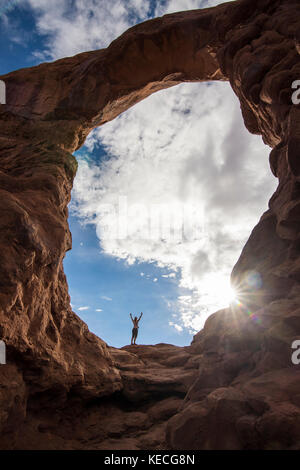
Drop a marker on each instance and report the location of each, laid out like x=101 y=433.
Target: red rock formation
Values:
x=235 y=386
x=155 y=380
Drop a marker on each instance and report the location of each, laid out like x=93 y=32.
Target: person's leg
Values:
x=132 y=337
x=135 y=336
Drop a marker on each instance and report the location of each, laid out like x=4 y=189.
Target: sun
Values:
x=219 y=290
x=232 y=294
x=227 y=293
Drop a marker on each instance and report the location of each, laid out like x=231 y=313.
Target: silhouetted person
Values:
x=135 y=328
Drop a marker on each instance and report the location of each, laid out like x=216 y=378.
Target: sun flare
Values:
x=219 y=289
x=227 y=294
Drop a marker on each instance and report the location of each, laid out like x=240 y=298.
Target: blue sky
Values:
x=184 y=148
x=100 y=281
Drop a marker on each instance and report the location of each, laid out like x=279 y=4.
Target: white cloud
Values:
x=176 y=326
x=99 y=310
x=183 y=147
x=104 y=297
x=155 y=279
x=76 y=26
x=170 y=275
x=142 y=274
x=82 y=308
x=171 y=6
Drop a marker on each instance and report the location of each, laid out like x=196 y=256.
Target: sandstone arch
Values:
x=52 y=357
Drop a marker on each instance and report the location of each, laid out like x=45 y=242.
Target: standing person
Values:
x=135 y=328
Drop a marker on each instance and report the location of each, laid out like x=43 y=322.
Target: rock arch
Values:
x=246 y=386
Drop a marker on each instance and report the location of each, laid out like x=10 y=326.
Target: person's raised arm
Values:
x=131 y=318
x=140 y=316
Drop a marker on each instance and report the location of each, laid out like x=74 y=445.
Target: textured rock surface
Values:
x=155 y=381
x=235 y=386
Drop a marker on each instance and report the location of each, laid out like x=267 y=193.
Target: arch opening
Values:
x=170 y=189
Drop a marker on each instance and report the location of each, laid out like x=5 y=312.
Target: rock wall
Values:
x=235 y=386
